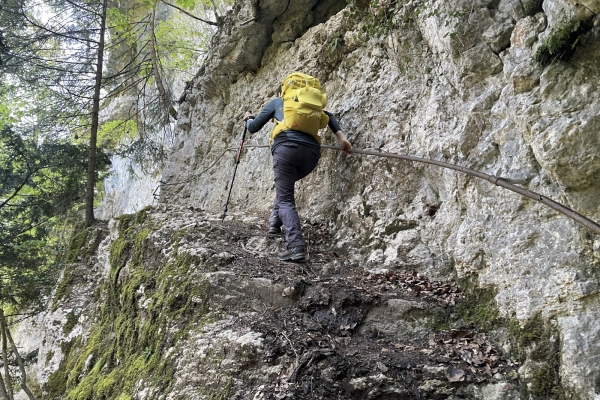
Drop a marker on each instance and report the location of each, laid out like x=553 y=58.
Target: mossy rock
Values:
x=562 y=42
x=129 y=342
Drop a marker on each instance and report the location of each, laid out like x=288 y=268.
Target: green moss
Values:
x=119 y=254
x=140 y=217
x=223 y=392
x=83 y=244
x=544 y=381
x=128 y=344
x=522 y=337
x=72 y=320
x=49 y=356
x=478 y=305
x=538 y=341
x=105 y=387
x=76 y=244
x=64 y=287
x=56 y=385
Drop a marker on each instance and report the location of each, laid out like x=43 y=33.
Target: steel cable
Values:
x=506 y=183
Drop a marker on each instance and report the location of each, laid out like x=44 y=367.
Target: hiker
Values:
x=296 y=151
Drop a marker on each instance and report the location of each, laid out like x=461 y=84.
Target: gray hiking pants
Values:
x=292 y=161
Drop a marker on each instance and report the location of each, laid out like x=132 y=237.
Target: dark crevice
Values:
x=324 y=10
x=563 y=42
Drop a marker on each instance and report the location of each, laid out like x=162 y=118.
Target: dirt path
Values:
x=353 y=335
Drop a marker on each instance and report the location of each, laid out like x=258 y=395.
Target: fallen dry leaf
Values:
x=456 y=375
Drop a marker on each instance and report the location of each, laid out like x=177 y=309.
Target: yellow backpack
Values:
x=303 y=103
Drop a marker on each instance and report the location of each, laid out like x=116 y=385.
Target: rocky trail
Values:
x=345 y=333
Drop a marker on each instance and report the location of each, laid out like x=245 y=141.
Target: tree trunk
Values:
x=91 y=172
x=3 y=394
x=8 y=389
x=6 y=334
x=164 y=95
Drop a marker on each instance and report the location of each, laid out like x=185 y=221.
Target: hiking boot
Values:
x=294 y=254
x=274 y=230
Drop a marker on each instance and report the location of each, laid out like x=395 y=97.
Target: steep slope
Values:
x=178 y=304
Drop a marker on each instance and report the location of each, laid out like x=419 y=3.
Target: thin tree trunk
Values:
x=217 y=16
x=3 y=394
x=9 y=390
x=6 y=334
x=91 y=172
x=164 y=95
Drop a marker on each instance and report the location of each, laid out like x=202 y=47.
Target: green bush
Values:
x=562 y=43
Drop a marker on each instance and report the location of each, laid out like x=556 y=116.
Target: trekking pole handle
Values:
x=239 y=154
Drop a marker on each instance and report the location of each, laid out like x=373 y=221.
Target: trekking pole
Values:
x=237 y=161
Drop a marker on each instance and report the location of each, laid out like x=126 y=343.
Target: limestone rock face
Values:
x=458 y=85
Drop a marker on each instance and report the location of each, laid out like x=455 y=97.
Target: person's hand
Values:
x=345 y=146
x=248 y=114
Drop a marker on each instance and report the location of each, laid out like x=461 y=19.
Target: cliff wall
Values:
x=452 y=81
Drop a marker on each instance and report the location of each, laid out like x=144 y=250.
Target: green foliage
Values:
x=190 y=4
x=375 y=17
x=562 y=43
x=11 y=108
x=119 y=21
x=179 y=50
x=40 y=180
x=114 y=132
x=396 y=21
x=179 y=45
x=46 y=73
x=455 y=21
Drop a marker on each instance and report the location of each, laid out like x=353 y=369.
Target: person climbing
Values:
x=295 y=145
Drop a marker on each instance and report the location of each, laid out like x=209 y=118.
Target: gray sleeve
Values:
x=268 y=112
x=333 y=124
